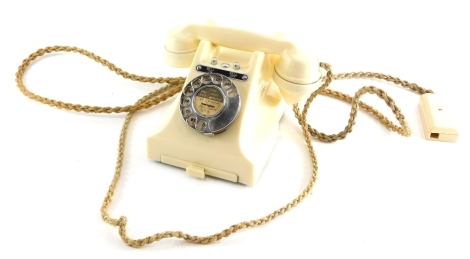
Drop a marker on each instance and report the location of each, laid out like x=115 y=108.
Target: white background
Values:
x=378 y=195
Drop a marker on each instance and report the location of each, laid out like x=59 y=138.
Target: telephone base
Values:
x=239 y=153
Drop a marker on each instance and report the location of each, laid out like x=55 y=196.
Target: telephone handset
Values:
x=296 y=70
x=225 y=121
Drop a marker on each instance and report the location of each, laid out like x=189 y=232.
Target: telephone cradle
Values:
x=225 y=121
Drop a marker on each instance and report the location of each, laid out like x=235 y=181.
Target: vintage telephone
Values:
x=225 y=122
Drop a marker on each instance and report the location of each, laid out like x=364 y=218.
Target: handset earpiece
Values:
x=180 y=47
x=296 y=73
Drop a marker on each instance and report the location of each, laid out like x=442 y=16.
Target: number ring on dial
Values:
x=210 y=103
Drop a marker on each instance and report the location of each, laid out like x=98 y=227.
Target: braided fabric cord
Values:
x=174 y=86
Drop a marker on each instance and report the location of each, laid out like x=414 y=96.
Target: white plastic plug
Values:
x=437 y=124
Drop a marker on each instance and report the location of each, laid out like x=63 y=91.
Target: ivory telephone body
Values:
x=225 y=122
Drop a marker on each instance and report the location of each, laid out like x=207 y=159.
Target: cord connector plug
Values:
x=436 y=122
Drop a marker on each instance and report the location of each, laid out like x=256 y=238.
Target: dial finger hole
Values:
x=196 y=83
x=185 y=101
x=206 y=79
x=232 y=92
x=188 y=91
x=226 y=84
x=186 y=112
x=216 y=79
x=201 y=125
x=191 y=120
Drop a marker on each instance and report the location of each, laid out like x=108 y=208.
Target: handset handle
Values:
x=296 y=72
x=186 y=39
